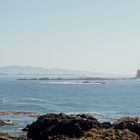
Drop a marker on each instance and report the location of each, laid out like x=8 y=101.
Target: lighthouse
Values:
x=138 y=74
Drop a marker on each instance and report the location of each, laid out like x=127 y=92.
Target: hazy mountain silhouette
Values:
x=21 y=70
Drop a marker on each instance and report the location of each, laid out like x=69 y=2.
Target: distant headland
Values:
x=28 y=71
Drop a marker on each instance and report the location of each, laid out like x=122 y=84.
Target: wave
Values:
x=72 y=83
x=23 y=100
x=100 y=116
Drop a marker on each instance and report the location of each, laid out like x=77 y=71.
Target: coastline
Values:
x=73 y=126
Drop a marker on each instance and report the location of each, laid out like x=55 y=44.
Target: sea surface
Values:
x=105 y=99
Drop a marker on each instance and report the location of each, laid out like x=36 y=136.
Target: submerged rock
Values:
x=6 y=122
x=30 y=114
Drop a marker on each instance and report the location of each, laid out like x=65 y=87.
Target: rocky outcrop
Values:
x=110 y=134
x=81 y=127
x=132 y=124
x=72 y=126
x=6 y=136
x=78 y=127
x=6 y=122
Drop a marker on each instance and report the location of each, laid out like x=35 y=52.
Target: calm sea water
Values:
x=105 y=101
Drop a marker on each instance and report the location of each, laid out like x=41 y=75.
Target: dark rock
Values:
x=73 y=126
x=68 y=127
x=106 y=125
x=127 y=119
x=6 y=122
x=6 y=136
x=26 y=128
x=132 y=124
x=22 y=137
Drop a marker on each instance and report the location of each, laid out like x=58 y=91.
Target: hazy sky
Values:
x=93 y=35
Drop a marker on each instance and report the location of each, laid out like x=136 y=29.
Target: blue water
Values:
x=105 y=101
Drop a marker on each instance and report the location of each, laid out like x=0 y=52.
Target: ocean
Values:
x=104 y=99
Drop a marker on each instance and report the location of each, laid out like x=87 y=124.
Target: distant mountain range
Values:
x=39 y=71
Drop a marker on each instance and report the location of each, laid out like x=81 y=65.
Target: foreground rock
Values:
x=78 y=127
x=5 y=136
x=81 y=127
x=110 y=134
x=72 y=126
x=132 y=124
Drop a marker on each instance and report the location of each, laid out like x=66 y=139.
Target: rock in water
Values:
x=72 y=126
x=5 y=136
x=6 y=122
x=82 y=127
x=132 y=124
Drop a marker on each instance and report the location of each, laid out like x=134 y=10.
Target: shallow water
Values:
x=105 y=101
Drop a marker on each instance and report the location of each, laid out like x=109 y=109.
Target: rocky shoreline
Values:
x=77 y=127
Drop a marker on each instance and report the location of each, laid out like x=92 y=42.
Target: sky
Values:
x=91 y=35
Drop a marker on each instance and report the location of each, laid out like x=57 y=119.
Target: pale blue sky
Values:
x=93 y=35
